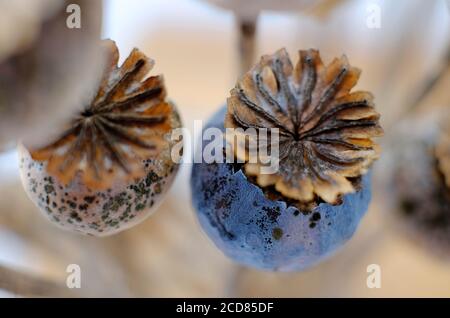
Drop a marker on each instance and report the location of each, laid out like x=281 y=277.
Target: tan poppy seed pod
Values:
x=46 y=68
x=112 y=165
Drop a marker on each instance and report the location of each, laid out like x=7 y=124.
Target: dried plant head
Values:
x=124 y=124
x=325 y=131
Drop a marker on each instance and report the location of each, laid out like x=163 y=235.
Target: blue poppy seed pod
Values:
x=304 y=212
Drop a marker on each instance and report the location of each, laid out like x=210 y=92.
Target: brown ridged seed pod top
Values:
x=325 y=130
x=124 y=124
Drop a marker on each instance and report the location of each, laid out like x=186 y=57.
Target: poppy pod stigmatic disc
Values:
x=112 y=165
x=297 y=215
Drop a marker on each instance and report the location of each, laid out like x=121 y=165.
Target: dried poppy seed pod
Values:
x=296 y=216
x=46 y=68
x=112 y=165
x=419 y=179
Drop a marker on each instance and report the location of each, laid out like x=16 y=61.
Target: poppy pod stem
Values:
x=247 y=42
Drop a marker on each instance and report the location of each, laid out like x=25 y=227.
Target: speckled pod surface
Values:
x=100 y=213
x=270 y=235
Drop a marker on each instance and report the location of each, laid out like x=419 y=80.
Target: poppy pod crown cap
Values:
x=326 y=131
x=123 y=125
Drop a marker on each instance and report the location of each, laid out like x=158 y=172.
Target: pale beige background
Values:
x=193 y=44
